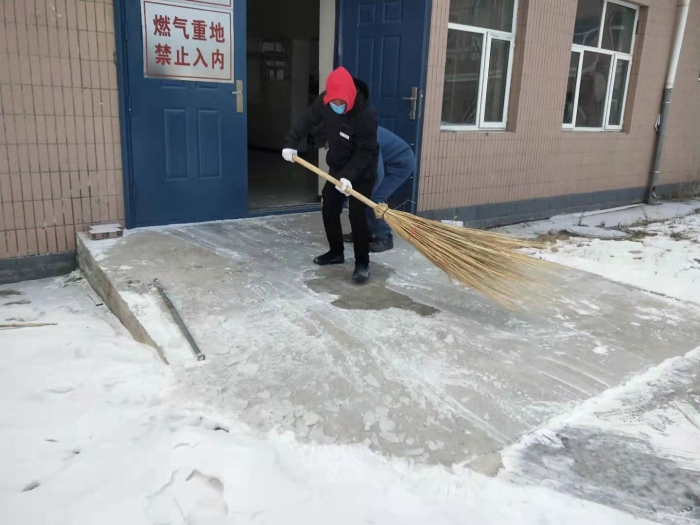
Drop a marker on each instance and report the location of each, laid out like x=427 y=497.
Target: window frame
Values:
x=488 y=35
x=616 y=56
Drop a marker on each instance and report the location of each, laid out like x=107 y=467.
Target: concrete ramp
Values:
x=409 y=364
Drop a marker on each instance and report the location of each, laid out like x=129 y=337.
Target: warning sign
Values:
x=187 y=43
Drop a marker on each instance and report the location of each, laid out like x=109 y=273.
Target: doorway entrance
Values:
x=283 y=80
x=187 y=139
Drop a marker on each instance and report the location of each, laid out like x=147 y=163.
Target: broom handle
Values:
x=335 y=182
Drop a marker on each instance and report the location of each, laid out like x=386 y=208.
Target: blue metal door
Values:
x=187 y=140
x=383 y=42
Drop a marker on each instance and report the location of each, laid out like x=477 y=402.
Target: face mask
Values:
x=338 y=109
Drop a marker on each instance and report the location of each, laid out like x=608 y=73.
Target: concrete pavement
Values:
x=409 y=364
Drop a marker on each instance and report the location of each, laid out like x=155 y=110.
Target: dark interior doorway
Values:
x=283 y=79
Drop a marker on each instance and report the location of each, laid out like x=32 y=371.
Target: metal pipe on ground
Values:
x=197 y=352
x=683 y=9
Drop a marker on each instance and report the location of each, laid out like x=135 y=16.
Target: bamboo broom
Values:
x=487 y=262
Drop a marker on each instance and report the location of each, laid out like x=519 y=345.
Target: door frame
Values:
x=422 y=89
x=122 y=60
x=121 y=37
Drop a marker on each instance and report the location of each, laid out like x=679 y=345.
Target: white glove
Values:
x=346 y=185
x=288 y=154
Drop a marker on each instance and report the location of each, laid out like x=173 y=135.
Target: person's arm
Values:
x=403 y=164
x=311 y=118
x=366 y=146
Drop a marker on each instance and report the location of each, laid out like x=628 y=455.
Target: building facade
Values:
x=540 y=166
x=517 y=109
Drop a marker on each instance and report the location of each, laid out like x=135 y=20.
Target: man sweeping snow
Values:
x=397 y=162
x=351 y=124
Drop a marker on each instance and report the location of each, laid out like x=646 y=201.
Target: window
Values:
x=601 y=61
x=480 y=40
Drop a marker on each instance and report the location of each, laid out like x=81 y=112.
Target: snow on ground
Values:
x=607 y=221
x=661 y=257
x=94 y=430
x=676 y=432
x=636 y=446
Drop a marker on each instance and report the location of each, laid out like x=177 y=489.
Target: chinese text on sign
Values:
x=187 y=43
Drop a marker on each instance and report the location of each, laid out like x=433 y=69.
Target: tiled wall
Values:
x=60 y=154
x=681 y=159
x=60 y=160
x=535 y=158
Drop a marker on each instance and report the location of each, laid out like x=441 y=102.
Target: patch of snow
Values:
x=152 y=312
x=634 y=446
x=96 y=430
x=371 y=380
x=665 y=261
x=106 y=228
x=100 y=249
x=612 y=218
x=596 y=231
x=615 y=217
x=617 y=410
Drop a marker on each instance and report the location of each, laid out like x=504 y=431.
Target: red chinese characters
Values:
x=188 y=39
x=181 y=23
x=181 y=55
x=217 y=58
x=162 y=25
x=163 y=53
x=200 y=58
x=199 y=27
x=217 y=33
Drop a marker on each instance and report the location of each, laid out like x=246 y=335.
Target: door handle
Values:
x=239 y=96
x=413 y=100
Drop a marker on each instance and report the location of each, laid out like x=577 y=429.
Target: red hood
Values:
x=340 y=85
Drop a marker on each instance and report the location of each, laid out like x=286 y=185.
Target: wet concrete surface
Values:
x=373 y=295
x=409 y=364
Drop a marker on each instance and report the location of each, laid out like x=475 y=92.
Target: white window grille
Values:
x=479 y=64
x=601 y=62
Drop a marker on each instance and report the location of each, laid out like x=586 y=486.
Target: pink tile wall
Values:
x=535 y=158
x=681 y=160
x=60 y=153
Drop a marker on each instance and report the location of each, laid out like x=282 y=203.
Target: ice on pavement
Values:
x=636 y=446
x=96 y=430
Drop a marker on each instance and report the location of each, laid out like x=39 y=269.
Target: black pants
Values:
x=332 y=208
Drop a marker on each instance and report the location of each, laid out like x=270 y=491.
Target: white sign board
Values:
x=187 y=43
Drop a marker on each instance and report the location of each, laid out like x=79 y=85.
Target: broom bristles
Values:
x=487 y=262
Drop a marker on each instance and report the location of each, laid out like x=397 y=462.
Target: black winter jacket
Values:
x=353 y=150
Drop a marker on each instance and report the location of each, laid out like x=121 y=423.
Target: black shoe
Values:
x=347 y=237
x=361 y=273
x=329 y=258
x=381 y=245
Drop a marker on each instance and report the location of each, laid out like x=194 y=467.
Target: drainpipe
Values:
x=683 y=8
